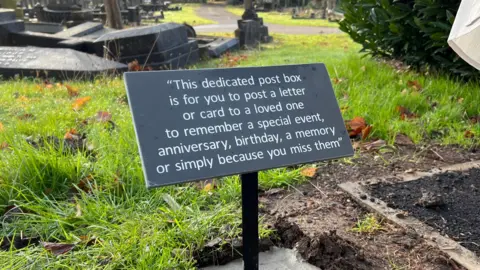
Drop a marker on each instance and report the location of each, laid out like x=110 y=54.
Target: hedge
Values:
x=413 y=31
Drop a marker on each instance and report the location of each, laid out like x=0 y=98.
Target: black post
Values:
x=250 y=220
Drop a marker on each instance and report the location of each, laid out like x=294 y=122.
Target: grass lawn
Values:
x=283 y=18
x=186 y=15
x=76 y=196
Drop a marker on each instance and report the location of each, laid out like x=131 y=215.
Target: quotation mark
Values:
x=169 y=81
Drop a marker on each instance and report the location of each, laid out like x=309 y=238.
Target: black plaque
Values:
x=199 y=124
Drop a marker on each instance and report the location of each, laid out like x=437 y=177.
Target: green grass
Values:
x=368 y=225
x=186 y=15
x=136 y=228
x=163 y=228
x=285 y=18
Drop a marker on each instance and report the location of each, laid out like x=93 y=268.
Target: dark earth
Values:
x=448 y=202
x=317 y=218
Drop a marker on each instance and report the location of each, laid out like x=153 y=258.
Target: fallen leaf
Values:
x=460 y=100
x=358 y=122
x=58 y=248
x=404 y=92
x=475 y=119
x=3 y=145
x=415 y=85
x=366 y=131
x=405 y=113
x=337 y=80
x=356 y=145
x=80 y=102
x=308 y=172
x=2 y=128
x=363 y=68
x=72 y=91
x=23 y=99
x=26 y=116
x=70 y=135
x=402 y=139
x=86 y=184
x=469 y=134
x=208 y=187
x=103 y=116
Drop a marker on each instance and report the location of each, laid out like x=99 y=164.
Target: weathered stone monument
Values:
x=251 y=30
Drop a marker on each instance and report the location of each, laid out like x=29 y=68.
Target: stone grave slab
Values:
x=219 y=46
x=140 y=40
x=439 y=205
x=43 y=27
x=81 y=30
x=7 y=15
x=7 y=28
x=160 y=41
x=157 y=58
x=49 y=62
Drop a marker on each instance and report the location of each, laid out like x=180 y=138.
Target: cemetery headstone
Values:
x=9 y=24
x=48 y=62
x=201 y=124
x=158 y=45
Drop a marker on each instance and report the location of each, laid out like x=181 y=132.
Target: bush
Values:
x=413 y=31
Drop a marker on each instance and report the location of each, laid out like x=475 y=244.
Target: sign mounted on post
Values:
x=199 y=124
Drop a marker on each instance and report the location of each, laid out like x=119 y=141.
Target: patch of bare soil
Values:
x=324 y=250
x=318 y=208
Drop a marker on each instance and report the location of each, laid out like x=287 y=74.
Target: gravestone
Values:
x=81 y=30
x=200 y=124
x=159 y=45
x=48 y=62
x=9 y=24
x=251 y=31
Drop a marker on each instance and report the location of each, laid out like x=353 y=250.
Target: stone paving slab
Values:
x=275 y=259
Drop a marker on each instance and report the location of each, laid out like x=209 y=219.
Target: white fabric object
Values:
x=464 y=37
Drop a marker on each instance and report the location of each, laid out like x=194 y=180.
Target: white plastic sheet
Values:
x=464 y=37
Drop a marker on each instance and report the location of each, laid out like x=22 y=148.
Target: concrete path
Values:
x=275 y=259
x=227 y=22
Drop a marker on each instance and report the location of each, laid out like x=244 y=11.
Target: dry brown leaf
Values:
x=405 y=113
x=103 y=116
x=402 y=139
x=208 y=187
x=366 y=131
x=337 y=80
x=70 y=135
x=80 y=102
x=469 y=134
x=358 y=122
x=25 y=116
x=3 y=145
x=308 y=172
x=87 y=184
x=460 y=100
x=72 y=91
x=58 y=248
x=475 y=119
x=415 y=85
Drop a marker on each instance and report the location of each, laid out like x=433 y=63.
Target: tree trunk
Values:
x=114 y=17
